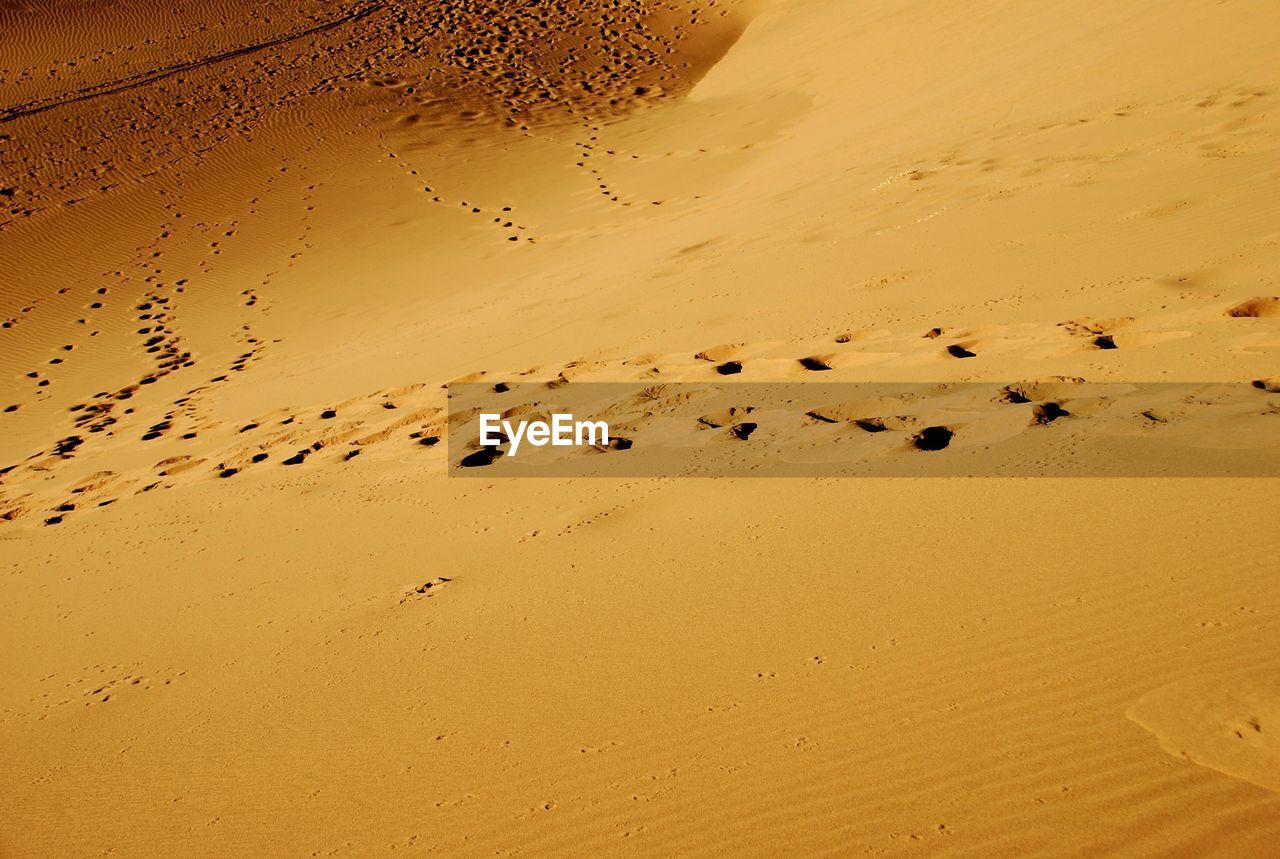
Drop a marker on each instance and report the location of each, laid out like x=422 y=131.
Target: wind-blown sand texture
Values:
x=243 y=247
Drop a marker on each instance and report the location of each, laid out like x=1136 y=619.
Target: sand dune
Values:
x=246 y=249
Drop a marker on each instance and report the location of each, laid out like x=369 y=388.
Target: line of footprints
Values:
x=415 y=414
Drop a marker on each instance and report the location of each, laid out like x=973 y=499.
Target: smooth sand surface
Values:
x=243 y=247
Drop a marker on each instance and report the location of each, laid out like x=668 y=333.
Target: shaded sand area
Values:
x=243 y=247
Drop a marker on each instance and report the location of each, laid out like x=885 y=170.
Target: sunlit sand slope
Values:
x=245 y=247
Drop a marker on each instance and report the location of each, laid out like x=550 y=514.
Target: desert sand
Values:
x=247 y=611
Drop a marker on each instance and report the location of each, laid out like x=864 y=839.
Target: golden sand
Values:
x=243 y=247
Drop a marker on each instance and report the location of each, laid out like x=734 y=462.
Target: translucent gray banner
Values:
x=1062 y=427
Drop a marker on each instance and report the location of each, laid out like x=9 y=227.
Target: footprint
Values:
x=933 y=438
x=1046 y=413
x=1014 y=394
x=725 y=418
x=480 y=458
x=426 y=589
x=1256 y=308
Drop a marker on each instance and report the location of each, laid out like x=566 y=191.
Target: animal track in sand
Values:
x=111 y=682
x=501 y=216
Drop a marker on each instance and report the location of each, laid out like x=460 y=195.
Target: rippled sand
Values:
x=244 y=247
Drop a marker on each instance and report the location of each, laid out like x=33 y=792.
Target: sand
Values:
x=244 y=248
